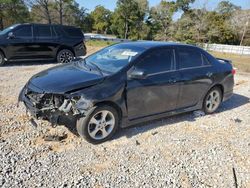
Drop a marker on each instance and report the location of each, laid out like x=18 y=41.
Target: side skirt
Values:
x=38 y=59
x=126 y=122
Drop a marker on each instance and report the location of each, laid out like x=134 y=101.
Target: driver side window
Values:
x=23 y=32
x=159 y=60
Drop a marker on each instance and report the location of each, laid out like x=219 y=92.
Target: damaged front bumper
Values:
x=50 y=107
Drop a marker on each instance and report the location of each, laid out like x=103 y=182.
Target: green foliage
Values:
x=101 y=17
x=133 y=19
x=226 y=7
x=128 y=20
x=80 y=17
x=201 y=26
x=161 y=19
x=184 y=5
x=219 y=31
x=13 y=11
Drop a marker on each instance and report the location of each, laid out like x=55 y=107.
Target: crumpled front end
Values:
x=50 y=106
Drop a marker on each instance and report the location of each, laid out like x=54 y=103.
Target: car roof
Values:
x=152 y=44
x=48 y=25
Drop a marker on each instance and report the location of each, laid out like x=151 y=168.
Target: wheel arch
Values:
x=65 y=47
x=112 y=104
x=1 y=50
x=220 y=86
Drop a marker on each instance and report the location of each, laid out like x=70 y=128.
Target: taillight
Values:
x=233 y=71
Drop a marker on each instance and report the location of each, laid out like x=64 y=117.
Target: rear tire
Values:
x=212 y=100
x=65 y=56
x=2 y=59
x=100 y=125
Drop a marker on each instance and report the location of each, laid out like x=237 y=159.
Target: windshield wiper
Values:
x=98 y=68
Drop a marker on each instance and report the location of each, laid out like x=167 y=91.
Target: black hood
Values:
x=65 y=78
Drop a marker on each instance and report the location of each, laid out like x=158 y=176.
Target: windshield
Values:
x=114 y=58
x=6 y=30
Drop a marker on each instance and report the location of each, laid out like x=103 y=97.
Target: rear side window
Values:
x=73 y=32
x=23 y=32
x=189 y=58
x=205 y=60
x=157 y=61
x=43 y=31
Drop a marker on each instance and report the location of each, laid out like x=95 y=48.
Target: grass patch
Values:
x=241 y=62
x=99 y=43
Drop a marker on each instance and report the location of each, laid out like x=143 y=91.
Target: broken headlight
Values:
x=83 y=104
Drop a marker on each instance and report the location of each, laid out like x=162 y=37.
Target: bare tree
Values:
x=60 y=10
x=240 y=23
x=245 y=30
x=162 y=15
x=200 y=21
x=43 y=6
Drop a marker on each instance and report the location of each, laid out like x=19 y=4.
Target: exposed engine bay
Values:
x=50 y=107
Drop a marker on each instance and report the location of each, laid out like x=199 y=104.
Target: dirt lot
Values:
x=181 y=151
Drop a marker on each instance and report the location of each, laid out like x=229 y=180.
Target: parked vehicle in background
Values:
x=93 y=36
x=129 y=83
x=25 y=42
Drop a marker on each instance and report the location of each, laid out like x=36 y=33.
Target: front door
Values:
x=20 y=46
x=158 y=91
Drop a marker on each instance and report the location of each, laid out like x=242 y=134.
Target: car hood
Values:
x=65 y=78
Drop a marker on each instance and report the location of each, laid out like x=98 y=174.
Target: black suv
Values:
x=23 y=42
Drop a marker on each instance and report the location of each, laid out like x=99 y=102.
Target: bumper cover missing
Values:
x=52 y=110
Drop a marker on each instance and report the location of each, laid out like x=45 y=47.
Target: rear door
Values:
x=75 y=39
x=21 y=45
x=46 y=42
x=196 y=76
x=158 y=92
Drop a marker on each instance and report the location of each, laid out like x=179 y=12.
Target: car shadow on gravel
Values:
x=235 y=101
x=29 y=63
x=38 y=62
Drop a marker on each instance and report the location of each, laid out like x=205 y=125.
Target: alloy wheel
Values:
x=213 y=100
x=66 y=57
x=101 y=125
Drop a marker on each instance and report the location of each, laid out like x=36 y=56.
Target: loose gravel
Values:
x=188 y=150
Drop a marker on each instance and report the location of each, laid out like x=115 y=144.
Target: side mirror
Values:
x=137 y=74
x=11 y=35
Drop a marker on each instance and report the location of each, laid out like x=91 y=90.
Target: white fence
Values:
x=243 y=50
x=234 y=49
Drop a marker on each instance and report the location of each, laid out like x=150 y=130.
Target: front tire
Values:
x=100 y=125
x=2 y=60
x=64 y=56
x=212 y=100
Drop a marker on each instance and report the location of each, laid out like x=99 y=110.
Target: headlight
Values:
x=83 y=104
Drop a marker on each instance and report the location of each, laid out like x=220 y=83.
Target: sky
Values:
x=111 y=4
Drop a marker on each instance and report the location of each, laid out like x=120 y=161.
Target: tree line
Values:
x=135 y=20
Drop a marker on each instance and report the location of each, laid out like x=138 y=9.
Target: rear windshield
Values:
x=73 y=32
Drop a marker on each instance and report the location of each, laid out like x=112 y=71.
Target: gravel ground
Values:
x=187 y=150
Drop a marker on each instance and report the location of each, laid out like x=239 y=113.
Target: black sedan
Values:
x=129 y=83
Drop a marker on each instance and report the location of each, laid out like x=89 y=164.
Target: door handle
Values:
x=209 y=74
x=172 y=80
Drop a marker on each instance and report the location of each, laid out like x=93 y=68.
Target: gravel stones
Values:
x=179 y=151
